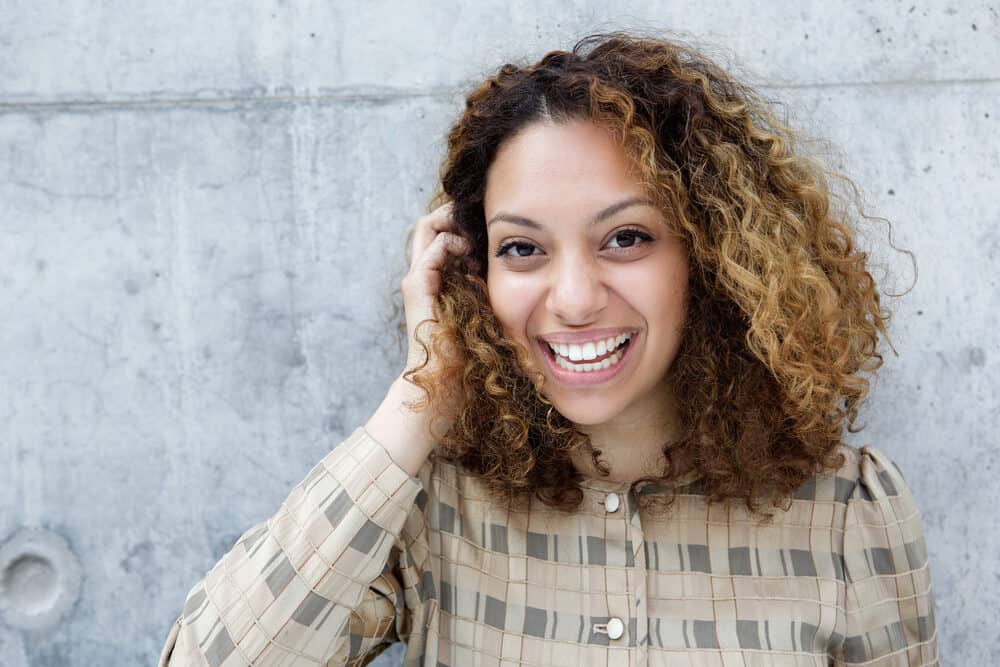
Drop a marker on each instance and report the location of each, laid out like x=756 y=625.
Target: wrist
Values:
x=404 y=432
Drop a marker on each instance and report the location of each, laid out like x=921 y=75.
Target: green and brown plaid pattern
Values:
x=361 y=555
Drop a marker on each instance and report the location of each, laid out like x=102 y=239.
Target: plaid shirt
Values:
x=361 y=554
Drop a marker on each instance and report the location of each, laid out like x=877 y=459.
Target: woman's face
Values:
x=576 y=256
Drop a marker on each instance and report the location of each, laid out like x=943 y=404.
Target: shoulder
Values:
x=867 y=474
x=883 y=531
x=879 y=479
x=874 y=515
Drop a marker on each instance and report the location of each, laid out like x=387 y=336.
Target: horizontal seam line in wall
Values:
x=347 y=95
x=398 y=94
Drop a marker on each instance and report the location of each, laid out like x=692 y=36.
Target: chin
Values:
x=584 y=413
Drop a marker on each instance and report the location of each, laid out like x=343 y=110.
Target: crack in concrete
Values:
x=383 y=96
x=346 y=95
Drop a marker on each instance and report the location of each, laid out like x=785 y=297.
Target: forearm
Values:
x=404 y=433
x=286 y=589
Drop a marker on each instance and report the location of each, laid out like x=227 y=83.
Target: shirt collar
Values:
x=607 y=486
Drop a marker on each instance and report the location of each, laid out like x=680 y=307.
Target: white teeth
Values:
x=589 y=350
x=584 y=368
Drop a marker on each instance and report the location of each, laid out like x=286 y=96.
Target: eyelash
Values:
x=637 y=233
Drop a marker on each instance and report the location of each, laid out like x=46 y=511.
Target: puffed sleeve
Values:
x=889 y=603
x=317 y=583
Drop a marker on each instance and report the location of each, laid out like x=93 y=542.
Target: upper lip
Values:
x=577 y=337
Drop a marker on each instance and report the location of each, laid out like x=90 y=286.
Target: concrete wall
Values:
x=202 y=206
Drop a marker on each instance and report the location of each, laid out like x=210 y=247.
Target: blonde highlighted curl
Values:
x=783 y=316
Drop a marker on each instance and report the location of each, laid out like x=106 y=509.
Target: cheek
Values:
x=675 y=296
x=664 y=293
x=509 y=303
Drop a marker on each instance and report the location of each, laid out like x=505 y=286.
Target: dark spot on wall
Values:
x=333 y=424
x=295 y=358
x=974 y=27
x=892 y=192
x=920 y=312
x=138 y=558
x=975 y=357
x=131 y=286
x=927 y=169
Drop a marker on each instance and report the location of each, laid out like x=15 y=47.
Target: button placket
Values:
x=621 y=601
x=639 y=582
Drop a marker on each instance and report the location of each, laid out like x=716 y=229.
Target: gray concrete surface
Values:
x=202 y=207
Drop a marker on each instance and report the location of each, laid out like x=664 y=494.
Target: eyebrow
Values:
x=597 y=219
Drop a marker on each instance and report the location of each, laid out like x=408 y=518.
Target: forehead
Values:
x=548 y=164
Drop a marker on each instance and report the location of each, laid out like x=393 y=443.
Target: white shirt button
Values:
x=612 y=502
x=615 y=628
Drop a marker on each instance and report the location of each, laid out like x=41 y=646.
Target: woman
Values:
x=636 y=325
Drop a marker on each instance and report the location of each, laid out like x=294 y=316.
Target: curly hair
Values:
x=783 y=313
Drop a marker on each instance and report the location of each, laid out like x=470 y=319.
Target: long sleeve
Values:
x=315 y=584
x=889 y=603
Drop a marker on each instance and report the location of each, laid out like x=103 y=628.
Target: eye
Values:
x=517 y=245
x=629 y=240
x=629 y=237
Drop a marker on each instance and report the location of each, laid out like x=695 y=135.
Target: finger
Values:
x=434 y=256
x=441 y=218
x=422 y=237
x=428 y=227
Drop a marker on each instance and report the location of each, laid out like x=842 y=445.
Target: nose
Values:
x=577 y=293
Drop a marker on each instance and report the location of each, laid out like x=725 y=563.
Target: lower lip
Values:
x=586 y=377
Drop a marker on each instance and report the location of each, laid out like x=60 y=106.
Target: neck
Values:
x=631 y=448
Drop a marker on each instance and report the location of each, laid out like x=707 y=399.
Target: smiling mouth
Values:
x=601 y=362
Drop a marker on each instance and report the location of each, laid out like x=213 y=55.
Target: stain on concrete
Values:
x=138 y=556
x=972 y=358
